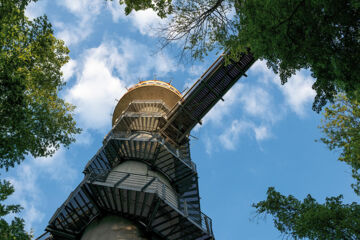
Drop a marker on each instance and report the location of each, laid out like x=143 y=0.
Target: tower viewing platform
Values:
x=142 y=183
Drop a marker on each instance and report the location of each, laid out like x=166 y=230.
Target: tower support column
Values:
x=113 y=227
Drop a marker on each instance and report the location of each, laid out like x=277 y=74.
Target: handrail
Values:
x=45 y=236
x=161 y=189
x=172 y=149
x=134 y=102
x=213 y=65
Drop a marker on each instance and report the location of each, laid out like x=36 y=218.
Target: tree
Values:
x=33 y=119
x=341 y=127
x=333 y=219
x=14 y=230
x=319 y=35
x=161 y=7
x=311 y=220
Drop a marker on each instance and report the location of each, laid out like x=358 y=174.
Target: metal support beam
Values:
x=153 y=214
x=212 y=91
x=156 y=154
x=144 y=203
x=61 y=233
x=166 y=221
x=189 y=113
x=148 y=184
x=121 y=180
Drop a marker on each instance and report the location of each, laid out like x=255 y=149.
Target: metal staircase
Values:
x=203 y=95
x=165 y=201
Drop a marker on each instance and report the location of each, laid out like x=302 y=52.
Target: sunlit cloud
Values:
x=85 y=12
x=104 y=72
x=35 y=9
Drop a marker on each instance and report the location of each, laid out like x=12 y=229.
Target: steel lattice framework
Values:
x=150 y=132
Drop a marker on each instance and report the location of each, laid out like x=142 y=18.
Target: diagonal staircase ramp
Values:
x=203 y=95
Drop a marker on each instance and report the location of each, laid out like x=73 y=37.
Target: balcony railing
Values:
x=45 y=236
x=146 y=183
x=184 y=157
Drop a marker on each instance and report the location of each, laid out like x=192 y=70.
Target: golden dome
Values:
x=147 y=91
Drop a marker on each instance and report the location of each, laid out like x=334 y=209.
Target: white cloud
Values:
x=86 y=12
x=26 y=184
x=35 y=9
x=145 y=21
x=198 y=70
x=105 y=71
x=298 y=92
x=265 y=75
x=210 y=143
x=68 y=69
x=257 y=102
x=83 y=8
x=32 y=215
x=260 y=111
x=96 y=88
x=84 y=138
x=254 y=100
x=117 y=11
x=230 y=137
x=261 y=133
x=224 y=108
x=56 y=167
x=195 y=71
x=27 y=195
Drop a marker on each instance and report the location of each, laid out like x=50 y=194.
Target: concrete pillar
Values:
x=113 y=228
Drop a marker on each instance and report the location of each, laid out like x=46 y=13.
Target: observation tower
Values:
x=142 y=183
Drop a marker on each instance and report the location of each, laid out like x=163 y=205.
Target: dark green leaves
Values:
x=319 y=35
x=14 y=230
x=161 y=7
x=309 y=219
x=33 y=119
x=322 y=36
x=341 y=127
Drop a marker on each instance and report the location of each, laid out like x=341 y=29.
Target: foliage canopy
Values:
x=14 y=230
x=333 y=219
x=311 y=220
x=33 y=119
x=341 y=127
x=320 y=35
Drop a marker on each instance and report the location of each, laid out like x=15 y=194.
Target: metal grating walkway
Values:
x=138 y=197
x=203 y=95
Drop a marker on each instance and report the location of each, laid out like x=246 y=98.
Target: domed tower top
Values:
x=147 y=91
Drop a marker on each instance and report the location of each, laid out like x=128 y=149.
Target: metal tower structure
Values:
x=142 y=183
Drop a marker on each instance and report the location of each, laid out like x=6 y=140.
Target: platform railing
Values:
x=45 y=236
x=210 y=70
x=171 y=148
x=146 y=183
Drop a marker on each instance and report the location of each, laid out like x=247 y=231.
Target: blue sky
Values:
x=262 y=135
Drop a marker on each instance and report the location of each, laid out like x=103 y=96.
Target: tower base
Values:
x=114 y=228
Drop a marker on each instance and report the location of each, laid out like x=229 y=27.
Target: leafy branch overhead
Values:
x=311 y=220
x=322 y=36
x=33 y=119
x=333 y=219
x=341 y=127
x=14 y=230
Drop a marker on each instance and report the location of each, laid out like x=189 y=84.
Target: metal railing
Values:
x=210 y=70
x=45 y=236
x=152 y=184
x=157 y=136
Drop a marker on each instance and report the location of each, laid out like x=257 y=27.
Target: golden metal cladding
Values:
x=147 y=91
